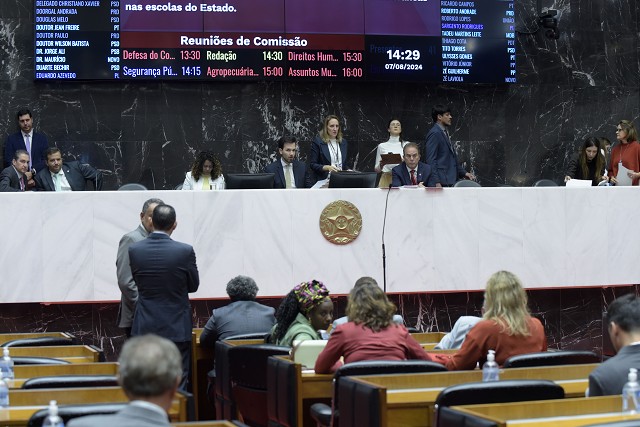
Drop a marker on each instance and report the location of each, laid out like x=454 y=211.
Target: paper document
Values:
x=579 y=183
x=622 y=177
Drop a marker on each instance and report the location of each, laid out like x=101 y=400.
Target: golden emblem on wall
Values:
x=340 y=222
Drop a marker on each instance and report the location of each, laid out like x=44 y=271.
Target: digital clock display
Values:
x=253 y=40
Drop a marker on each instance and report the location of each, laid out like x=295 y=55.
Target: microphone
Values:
x=384 y=255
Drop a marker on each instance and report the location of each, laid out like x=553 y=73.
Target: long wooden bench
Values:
x=409 y=399
x=24 y=372
x=548 y=413
x=24 y=403
x=70 y=353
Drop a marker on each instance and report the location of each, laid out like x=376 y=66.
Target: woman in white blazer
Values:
x=205 y=174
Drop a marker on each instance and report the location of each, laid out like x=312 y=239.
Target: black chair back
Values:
x=361 y=404
x=68 y=412
x=466 y=183
x=545 y=183
x=282 y=385
x=551 y=358
x=66 y=381
x=34 y=360
x=251 y=336
x=248 y=373
x=496 y=392
x=38 y=342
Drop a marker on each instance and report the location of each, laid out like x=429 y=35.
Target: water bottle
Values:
x=4 y=394
x=6 y=366
x=490 y=371
x=53 y=420
x=630 y=392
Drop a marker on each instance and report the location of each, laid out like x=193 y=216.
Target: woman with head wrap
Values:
x=304 y=311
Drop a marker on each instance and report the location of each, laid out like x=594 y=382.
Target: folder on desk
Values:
x=306 y=352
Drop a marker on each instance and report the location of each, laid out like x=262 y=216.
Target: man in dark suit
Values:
x=149 y=372
x=34 y=143
x=441 y=155
x=127 y=285
x=623 y=320
x=289 y=172
x=243 y=316
x=165 y=272
x=412 y=171
x=14 y=177
x=72 y=176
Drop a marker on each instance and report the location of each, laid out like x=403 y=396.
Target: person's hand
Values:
x=604 y=178
x=633 y=175
x=567 y=178
x=470 y=176
x=330 y=168
x=438 y=185
x=29 y=175
x=421 y=185
x=613 y=180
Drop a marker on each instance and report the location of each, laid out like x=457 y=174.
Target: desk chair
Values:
x=65 y=381
x=551 y=358
x=132 y=186
x=38 y=342
x=327 y=416
x=248 y=374
x=33 y=360
x=491 y=392
x=466 y=183
x=68 y=412
x=545 y=183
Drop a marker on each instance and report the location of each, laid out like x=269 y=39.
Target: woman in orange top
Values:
x=625 y=152
x=506 y=326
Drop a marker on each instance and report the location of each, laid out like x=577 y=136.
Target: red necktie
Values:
x=22 y=183
x=413 y=177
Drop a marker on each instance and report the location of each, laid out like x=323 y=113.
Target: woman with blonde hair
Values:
x=328 y=149
x=370 y=333
x=506 y=326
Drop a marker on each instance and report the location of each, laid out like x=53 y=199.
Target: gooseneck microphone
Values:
x=384 y=255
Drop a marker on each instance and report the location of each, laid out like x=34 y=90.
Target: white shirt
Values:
x=64 y=184
x=287 y=168
x=393 y=145
x=336 y=155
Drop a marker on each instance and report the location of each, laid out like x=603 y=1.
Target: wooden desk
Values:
x=24 y=403
x=70 y=353
x=410 y=398
x=10 y=337
x=24 y=372
x=551 y=413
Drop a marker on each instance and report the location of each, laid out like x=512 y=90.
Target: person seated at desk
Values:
x=454 y=339
x=205 y=174
x=305 y=310
x=66 y=176
x=289 y=172
x=588 y=164
x=243 y=316
x=344 y=319
x=507 y=326
x=623 y=320
x=370 y=333
x=14 y=178
x=150 y=371
x=412 y=171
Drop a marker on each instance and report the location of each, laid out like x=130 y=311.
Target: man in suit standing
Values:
x=165 y=272
x=34 y=143
x=441 y=155
x=14 y=177
x=126 y=283
x=149 y=372
x=412 y=171
x=243 y=316
x=623 y=321
x=289 y=172
x=72 y=176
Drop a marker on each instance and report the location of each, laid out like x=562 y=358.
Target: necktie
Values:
x=27 y=144
x=57 y=180
x=413 y=177
x=287 y=176
x=21 y=182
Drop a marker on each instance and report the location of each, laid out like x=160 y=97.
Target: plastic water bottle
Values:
x=490 y=370
x=4 y=394
x=6 y=366
x=630 y=392
x=53 y=420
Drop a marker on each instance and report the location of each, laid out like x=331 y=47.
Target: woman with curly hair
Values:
x=205 y=174
x=370 y=333
x=506 y=326
x=302 y=313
